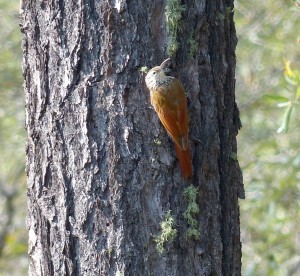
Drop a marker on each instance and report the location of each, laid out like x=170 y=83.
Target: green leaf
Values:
x=290 y=80
x=298 y=93
x=286 y=120
x=276 y=98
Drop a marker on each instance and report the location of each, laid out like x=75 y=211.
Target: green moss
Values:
x=110 y=252
x=174 y=11
x=220 y=16
x=192 y=46
x=233 y=156
x=228 y=11
x=168 y=232
x=157 y=141
x=173 y=45
x=144 y=69
x=193 y=233
x=226 y=15
x=191 y=212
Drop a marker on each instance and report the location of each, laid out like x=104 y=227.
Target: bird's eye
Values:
x=153 y=73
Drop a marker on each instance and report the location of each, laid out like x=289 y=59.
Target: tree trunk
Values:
x=102 y=172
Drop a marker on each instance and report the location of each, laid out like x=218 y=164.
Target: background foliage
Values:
x=268 y=33
x=13 y=235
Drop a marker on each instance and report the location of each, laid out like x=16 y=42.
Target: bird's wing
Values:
x=172 y=112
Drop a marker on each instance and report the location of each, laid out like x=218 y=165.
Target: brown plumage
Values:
x=169 y=101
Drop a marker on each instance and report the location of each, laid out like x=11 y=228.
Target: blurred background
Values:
x=267 y=91
x=13 y=234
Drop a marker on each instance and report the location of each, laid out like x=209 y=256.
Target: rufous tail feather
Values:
x=185 y=161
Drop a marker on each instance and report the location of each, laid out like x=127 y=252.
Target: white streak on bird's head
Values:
x=156 y=76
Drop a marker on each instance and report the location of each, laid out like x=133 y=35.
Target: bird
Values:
x=168 y=99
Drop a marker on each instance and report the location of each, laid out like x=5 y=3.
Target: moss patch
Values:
x=174 y=11
x=191 y=212
x=168 y=232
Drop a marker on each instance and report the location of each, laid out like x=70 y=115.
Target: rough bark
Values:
x=102 y=171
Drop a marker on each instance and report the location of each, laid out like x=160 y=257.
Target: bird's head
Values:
x=156 y=76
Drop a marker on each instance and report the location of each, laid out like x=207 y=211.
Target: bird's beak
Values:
x=164 y=63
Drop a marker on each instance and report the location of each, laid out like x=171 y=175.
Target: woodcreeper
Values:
x=169 y=101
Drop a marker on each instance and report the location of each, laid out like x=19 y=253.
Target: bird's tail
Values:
x=185 y=161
